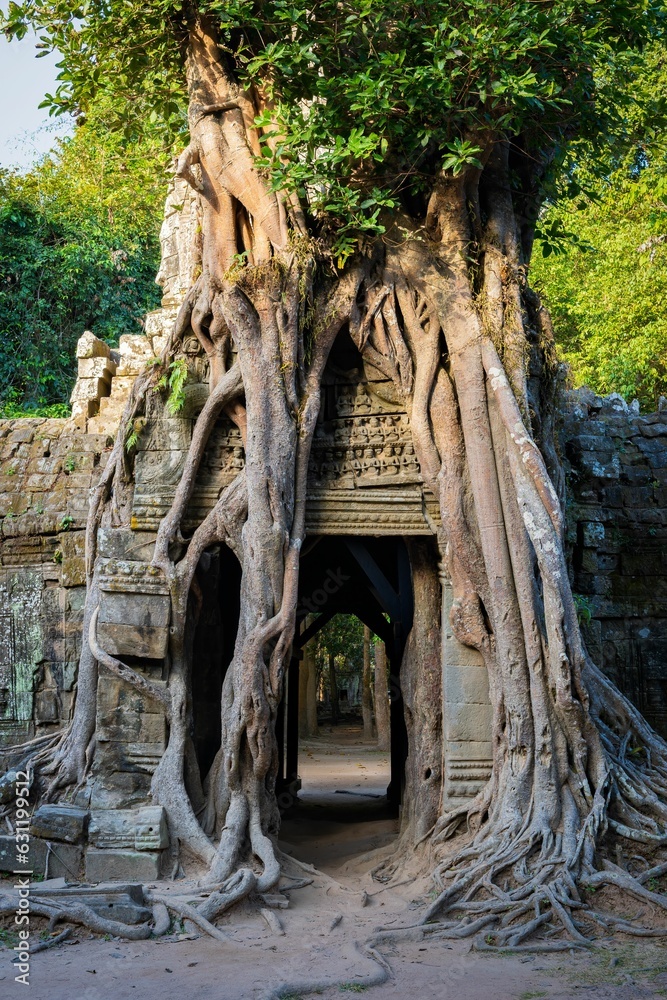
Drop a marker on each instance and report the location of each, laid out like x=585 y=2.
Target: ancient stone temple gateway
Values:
x=371 y=550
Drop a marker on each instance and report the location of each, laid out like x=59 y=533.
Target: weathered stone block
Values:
x=103 y=368
x=589 y=561
x=468 y=722
x=120 y=387
x=466 y=684
x=89 y=388
x=456 y=653
x=479 y=750
x=8 y=855
x=592 y=534
x=63 y=861
x=121 y=543
x=142 y=829
x=46 y=706
x=151 y=831
x=112 y=865
x=59 y=822
x=72 y=544
x=73 y=572
x=90 y=346
x=135 y=350
x=22 y=433
x=123 y=903
x=133 y=640
x=137 y=609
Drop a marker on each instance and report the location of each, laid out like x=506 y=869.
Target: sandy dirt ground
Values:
x=341 y=817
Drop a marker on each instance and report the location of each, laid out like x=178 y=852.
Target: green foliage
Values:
x=371 y=97
x=78 y=250
x=370 y=100
x=131 y=439
x=342 y=637
x=584 y=608
x=66 y=523
x=174 y=381
x=609 y=304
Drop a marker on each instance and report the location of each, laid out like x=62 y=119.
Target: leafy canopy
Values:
x=371 y=97
x=609 y=303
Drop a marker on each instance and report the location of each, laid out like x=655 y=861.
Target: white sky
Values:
x=26 y=131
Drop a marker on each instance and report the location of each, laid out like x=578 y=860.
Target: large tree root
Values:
x=377 y=977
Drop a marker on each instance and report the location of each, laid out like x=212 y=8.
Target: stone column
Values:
x=467 y=714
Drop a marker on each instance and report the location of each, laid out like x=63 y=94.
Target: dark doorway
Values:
x=219 y=579
x=369 y=578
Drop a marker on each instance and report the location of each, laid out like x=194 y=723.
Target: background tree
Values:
x=339 y=651
x=601 y=263
x=367 y=687
x=379 y=167
x=78 y=250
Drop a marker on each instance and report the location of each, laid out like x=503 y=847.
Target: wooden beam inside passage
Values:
x=323 y=617
x=387 y=596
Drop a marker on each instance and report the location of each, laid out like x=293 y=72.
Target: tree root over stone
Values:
x=441 y=315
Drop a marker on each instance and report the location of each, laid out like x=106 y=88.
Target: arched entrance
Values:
x=371 y=579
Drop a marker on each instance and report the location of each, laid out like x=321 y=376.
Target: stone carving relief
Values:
x=363 y=446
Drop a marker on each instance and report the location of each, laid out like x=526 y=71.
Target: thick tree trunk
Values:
x=367 y=687
x=441 y=309
x=381 y=700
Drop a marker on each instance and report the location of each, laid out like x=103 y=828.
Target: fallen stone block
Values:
x=55 y=821
x=63 y=861
x=114 y=865
x=9 y=856
x=124 y=903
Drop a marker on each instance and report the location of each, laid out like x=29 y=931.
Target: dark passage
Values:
x=339 y=793
x=219 y=579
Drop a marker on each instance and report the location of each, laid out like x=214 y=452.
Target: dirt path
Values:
x=326 y=924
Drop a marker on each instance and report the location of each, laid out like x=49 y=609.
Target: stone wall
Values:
x=46 y=470
x=616 y=462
